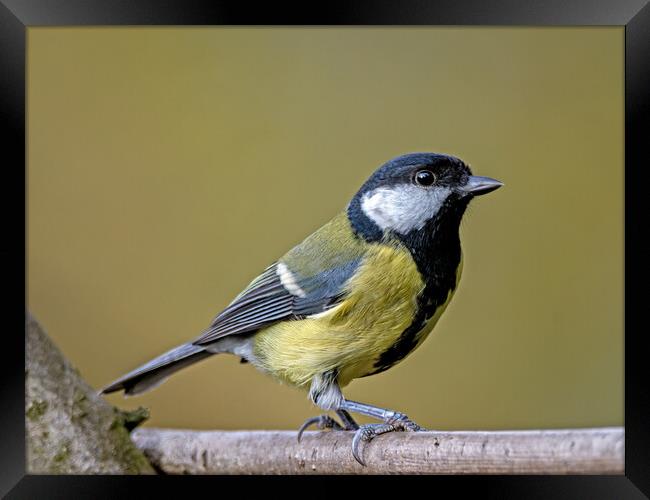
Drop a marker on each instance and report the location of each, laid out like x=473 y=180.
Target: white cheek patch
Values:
x=403 y=208
x=288 y=280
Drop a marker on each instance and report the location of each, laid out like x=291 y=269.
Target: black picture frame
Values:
x=17 y=15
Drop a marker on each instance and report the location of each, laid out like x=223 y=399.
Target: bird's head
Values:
x=409 y=192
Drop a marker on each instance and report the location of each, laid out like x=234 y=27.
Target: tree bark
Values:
x=70 y=429
x=574 y=451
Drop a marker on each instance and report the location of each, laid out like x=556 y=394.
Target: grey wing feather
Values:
x=266 y=301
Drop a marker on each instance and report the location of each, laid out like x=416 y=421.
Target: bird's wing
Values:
x=308 y=280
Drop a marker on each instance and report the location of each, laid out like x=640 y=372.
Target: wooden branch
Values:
x=572 y=451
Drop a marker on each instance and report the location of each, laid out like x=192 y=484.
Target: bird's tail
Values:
x=155 y=372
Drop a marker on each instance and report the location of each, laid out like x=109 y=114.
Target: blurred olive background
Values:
x=167 y=167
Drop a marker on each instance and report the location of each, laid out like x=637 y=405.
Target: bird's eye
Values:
x=425 y=178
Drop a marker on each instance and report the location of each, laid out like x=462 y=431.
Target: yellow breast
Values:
x=380 y=304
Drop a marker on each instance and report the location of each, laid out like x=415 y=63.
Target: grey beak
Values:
x=477 y=185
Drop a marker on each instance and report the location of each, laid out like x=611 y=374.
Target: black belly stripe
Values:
x=427 y=306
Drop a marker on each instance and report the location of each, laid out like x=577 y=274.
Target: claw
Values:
x=355 y=446
x=322 y=422
x=367 y=433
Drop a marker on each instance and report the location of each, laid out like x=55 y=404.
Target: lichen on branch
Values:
x=71 y=429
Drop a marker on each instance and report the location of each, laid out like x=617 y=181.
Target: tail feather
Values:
x=155 y=372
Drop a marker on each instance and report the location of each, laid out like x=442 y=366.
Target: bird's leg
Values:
x=393 y=421
x=325 y=393
x=398 y=419
x=348 y=422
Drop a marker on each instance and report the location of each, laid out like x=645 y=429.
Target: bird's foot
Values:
x=366 y=433
x=403 y=423
x=322 y=422
x=326 y=422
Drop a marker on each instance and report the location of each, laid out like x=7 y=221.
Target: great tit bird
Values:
x=353 y=299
